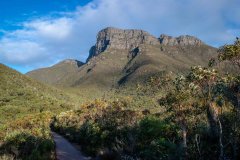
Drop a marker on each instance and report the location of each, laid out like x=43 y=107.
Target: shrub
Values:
x=28 y=137
x=156 y=138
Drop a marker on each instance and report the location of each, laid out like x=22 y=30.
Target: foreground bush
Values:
x=157 y=139
x=111 y=130
x=28 y=138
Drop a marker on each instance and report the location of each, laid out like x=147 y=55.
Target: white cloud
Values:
x=70 y=35
x=21 y=51
x=56 y=29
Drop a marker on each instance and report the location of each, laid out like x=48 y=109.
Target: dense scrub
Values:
x=25 y=114
x=197 y=117
x=107 y=129
x=20 y=95
x=111 y=130
x=191 y=116
x=27 y=138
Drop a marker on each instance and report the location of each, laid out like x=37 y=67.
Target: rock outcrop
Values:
x=113 y=38
x=181 y=40
x=121 y=39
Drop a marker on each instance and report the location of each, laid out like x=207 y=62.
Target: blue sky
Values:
x=39 y=33
x=13 y=12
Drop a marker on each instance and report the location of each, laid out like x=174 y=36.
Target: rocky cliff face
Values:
x=121 y=39
x=130 y=39
x=181 y=40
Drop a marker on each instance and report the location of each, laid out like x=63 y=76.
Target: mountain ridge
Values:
x=129 y=39
x=56 y=72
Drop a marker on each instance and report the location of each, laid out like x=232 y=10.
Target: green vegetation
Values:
x=53 y=74
x=26 y=108
x=170 y=116
x=107 y=129
x=27 y=138
x=21 y=95
x=196 y=118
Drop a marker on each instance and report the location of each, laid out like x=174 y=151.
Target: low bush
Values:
x=28 y=138
x=112 y=130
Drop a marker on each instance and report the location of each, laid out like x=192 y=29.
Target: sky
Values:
x=40 y=33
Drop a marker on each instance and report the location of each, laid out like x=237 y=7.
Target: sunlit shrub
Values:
x=28 y=137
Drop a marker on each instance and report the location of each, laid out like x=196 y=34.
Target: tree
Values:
x=206 y=80
x=178 y=102
x=230 y=53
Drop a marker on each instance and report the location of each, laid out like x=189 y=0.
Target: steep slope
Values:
x=52 y=75
x=154 y=59
x=126 y=56
x=21 y=95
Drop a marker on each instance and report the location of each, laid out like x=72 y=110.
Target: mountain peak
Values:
x=182 y=40
x=122 y=39
x=73 y=62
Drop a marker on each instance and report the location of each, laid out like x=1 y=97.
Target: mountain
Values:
x=21 y=95
x=127 y=56
x=52 y=75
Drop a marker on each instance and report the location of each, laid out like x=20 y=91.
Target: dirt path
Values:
x=65 y=150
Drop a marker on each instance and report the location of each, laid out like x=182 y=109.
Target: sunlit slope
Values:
x=20 y=95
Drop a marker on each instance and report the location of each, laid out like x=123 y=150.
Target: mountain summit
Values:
x=72 y=62
x=114 y=38
x=52 y=75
